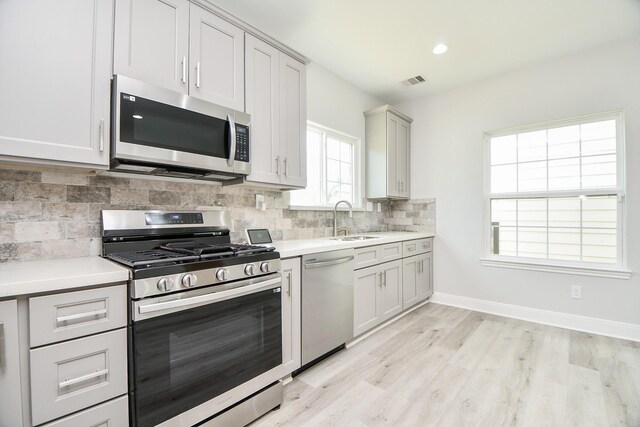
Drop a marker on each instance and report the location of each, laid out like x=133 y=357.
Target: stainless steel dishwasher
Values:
x=327 y=302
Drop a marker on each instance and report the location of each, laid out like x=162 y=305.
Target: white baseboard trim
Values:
x=610 y=328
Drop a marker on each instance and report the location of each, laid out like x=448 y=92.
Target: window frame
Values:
x=358 y=201
x=612 y=270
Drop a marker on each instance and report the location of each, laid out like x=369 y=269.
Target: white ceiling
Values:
x=375 y=44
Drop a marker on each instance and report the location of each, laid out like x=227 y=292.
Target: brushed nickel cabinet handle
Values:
x=184 y=69
x=2 y=347
x=277 y=165
x=74 y=381
x=285 y=166
x=198 y=74
x=101 y=135
x=63 y=319
x=289 y=284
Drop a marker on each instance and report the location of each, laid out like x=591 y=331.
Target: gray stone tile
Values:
x=8 y=251
x=126 y=196
x=69 y=248
x=20 y=210
x=29 y=251
x=66 y=211
x=81 y=194
x=109 y=181
x=7 y=232
x=78 y=230
x=148 y=184
x=65 y=178
x=19 y=175
x=38 y=191
x=164 y=198
x=38 y=231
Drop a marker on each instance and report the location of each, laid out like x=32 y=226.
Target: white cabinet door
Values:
x=409 y=281
x=293 y=119
x=391 y=300
x=402 y=157
x=366 y=304
x=216 y=59
x=291 y=350
x=151 y=41
x=55 y=81
x=10 y=388
x=425 y=276
x=393 y=181
x=262 y=77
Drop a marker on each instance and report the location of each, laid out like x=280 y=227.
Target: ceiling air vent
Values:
x=413 y=81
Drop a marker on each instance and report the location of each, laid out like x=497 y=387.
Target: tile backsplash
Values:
x=45 y=215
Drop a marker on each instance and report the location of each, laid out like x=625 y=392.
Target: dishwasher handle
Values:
x=327 y=263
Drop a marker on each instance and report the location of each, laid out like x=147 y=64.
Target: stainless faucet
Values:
x=335 y=216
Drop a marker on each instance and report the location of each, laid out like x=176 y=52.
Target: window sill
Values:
x=323 y=208
x=613 y=273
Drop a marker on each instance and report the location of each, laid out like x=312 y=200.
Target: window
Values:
x=332 y=169
x=555 y=193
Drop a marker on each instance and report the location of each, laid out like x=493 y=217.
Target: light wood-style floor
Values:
x=445 y=366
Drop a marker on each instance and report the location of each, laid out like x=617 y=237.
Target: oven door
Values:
x=200 y=351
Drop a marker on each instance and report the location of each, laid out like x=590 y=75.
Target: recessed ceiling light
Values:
x=440 y=49
x=137 y=116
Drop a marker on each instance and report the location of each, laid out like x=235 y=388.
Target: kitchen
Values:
x=52 y=213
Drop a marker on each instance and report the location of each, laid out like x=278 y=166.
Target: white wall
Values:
x=447 y=163
x=335 y=103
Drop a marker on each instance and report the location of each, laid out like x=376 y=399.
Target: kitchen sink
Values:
x=354 y=238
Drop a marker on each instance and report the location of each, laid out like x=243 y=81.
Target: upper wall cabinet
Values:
x=276 y=100
x=388 y=137
x=55 y=82
x=182 y=47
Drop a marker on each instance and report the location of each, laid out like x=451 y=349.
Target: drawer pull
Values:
x=63 y=319
x=411 y=248
x=74 y=381
x=2 y=346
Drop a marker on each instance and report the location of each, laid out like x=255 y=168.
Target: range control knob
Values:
x=189 y=280
x=165 y=284
x=249 y=269
x=265 y=267
x=222 y=274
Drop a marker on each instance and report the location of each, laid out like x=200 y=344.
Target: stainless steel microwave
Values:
x=157 y=131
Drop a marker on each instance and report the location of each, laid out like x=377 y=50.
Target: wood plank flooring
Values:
x=445 y=366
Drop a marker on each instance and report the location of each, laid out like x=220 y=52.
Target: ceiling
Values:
x=376 y=44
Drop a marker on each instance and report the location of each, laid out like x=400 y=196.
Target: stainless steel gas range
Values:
x=205 y=327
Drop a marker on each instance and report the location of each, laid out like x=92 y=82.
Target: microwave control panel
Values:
x=242 y=143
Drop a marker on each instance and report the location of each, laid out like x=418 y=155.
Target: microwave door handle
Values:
x=232 y=140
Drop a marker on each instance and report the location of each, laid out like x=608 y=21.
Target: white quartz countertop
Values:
x=33 y=277
x=293 y=248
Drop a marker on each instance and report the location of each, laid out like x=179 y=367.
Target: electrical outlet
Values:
x=576 y=292
x=379 y=207
x=260 y=203
x=369 y=206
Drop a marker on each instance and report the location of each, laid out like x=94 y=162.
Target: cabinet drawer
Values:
x=415 y=247
x=77 y=374
x=366 y=257
x=111 y=414
x=60 y=317
x=391 y=252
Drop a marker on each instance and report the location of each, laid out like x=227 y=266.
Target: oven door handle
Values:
x=213 y=297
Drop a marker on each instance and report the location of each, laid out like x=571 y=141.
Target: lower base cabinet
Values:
x=291 y=300
x=110 y=414
x=416 y=279
x=10 y=387
x=377 y=295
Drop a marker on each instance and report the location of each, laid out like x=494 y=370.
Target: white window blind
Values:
x=332 y=169
x=555 y=191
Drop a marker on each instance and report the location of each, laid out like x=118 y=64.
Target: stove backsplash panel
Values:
x=48 y=215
